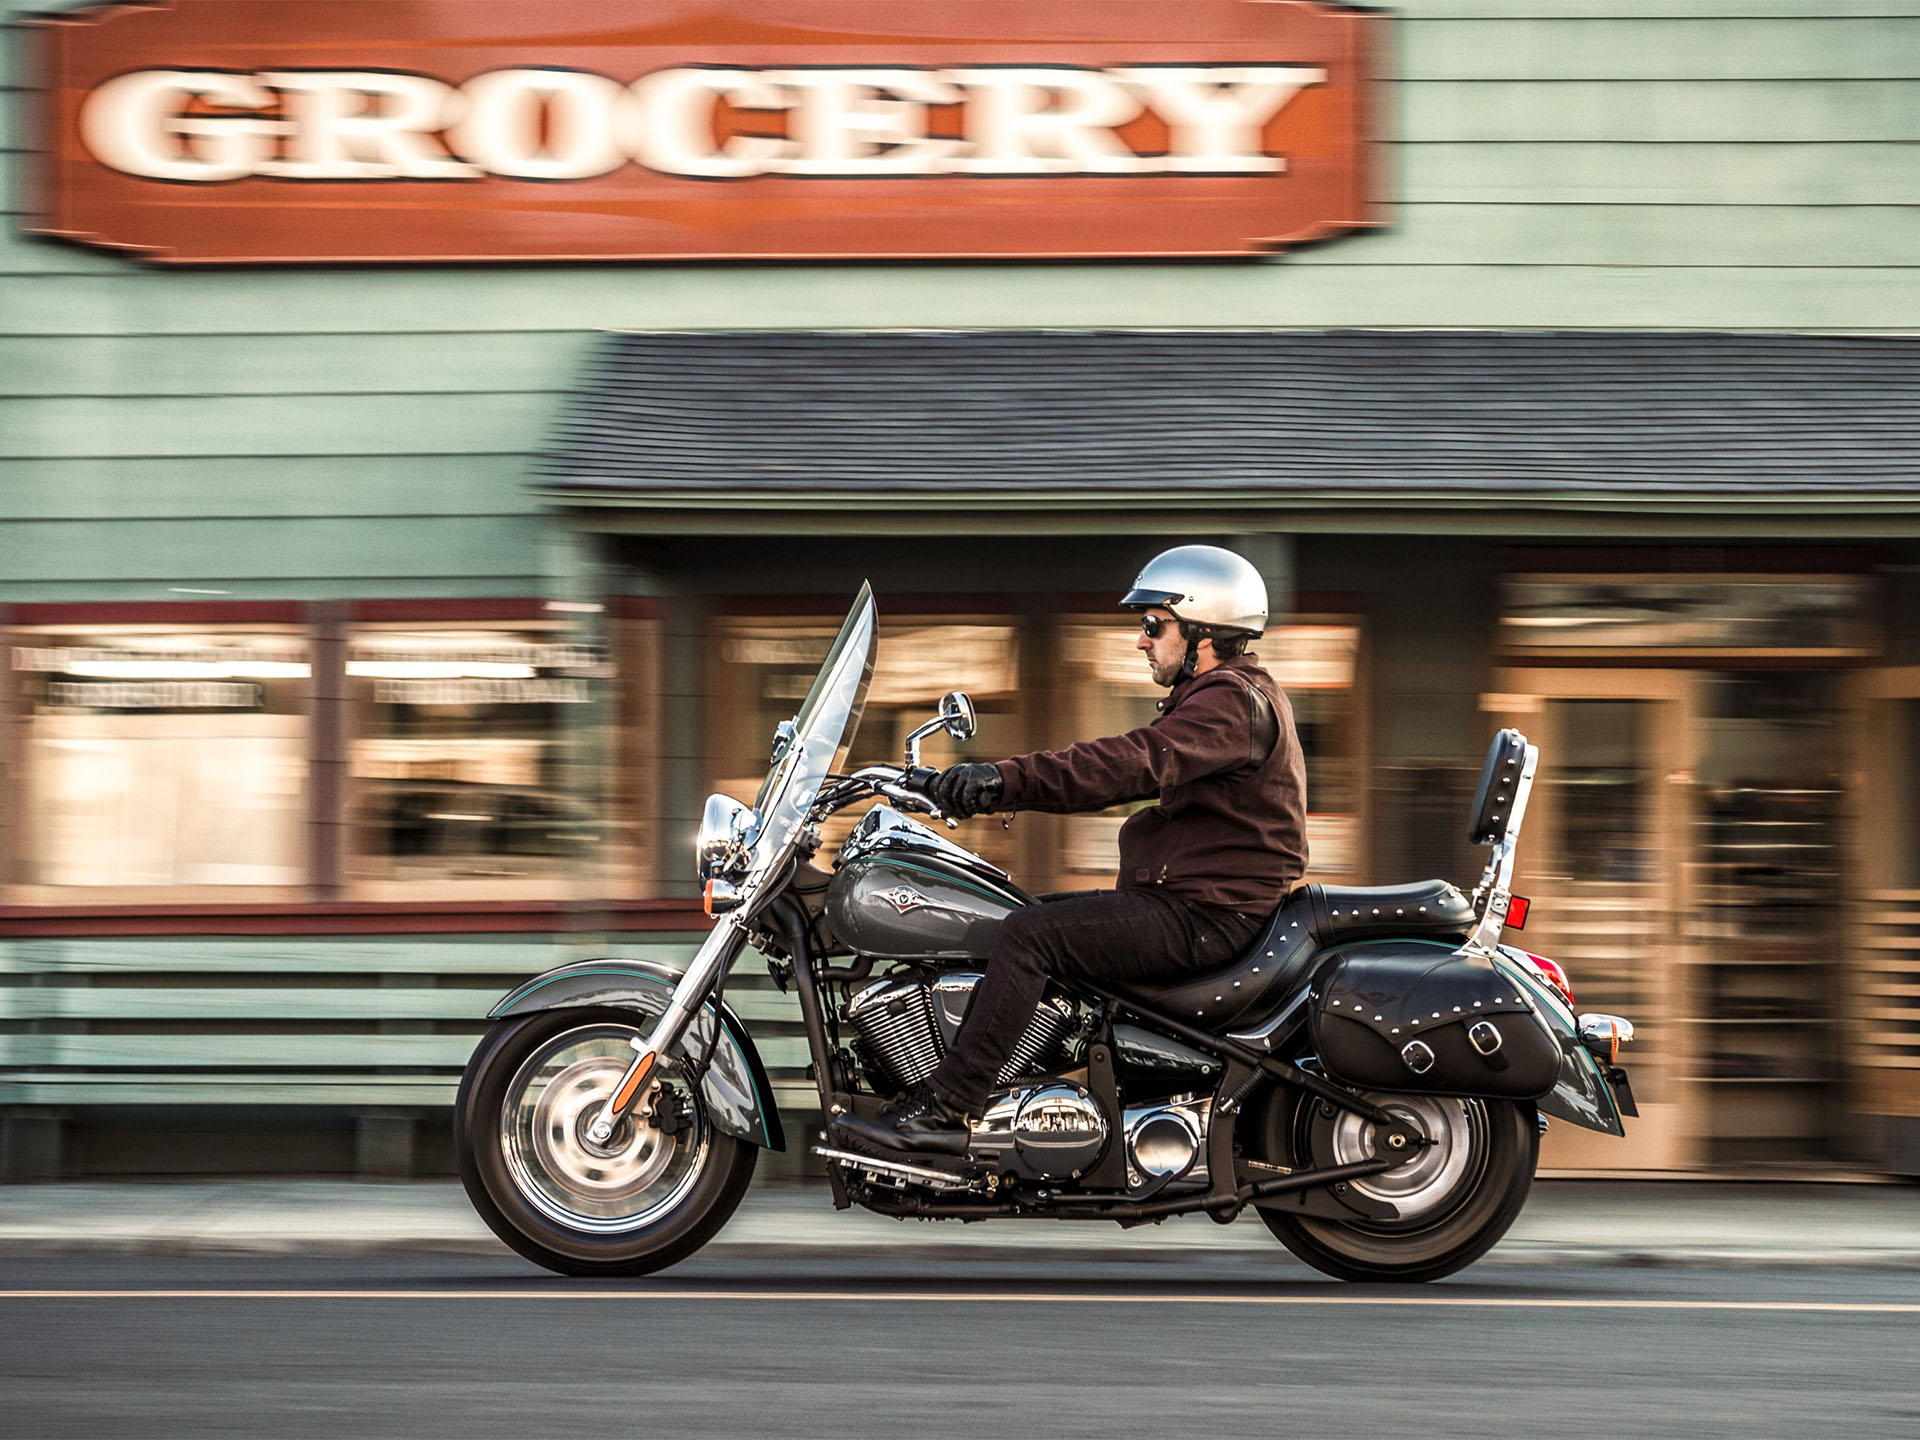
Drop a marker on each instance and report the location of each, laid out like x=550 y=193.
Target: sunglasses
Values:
x=1154 y=626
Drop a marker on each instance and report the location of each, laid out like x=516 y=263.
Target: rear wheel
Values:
x=1454 y=1200
x=647 y=1198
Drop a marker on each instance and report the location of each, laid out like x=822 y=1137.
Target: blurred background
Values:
x=370 y=636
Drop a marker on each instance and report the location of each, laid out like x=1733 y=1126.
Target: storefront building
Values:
x=383 y=588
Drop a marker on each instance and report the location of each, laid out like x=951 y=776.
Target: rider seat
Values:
x=1307 y=922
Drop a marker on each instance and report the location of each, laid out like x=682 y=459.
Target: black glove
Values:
x=963 y=790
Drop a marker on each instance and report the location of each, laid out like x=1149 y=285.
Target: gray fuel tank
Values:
x=902 y=892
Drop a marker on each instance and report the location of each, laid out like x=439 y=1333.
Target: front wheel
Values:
x=649 y=1197
x=1455 y=1199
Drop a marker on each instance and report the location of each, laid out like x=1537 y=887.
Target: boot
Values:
x=918 y=1121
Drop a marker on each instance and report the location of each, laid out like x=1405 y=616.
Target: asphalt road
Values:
x=818 y=1346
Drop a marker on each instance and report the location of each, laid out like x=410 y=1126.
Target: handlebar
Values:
x=905 y=785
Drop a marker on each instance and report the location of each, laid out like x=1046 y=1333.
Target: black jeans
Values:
x=1141 y=934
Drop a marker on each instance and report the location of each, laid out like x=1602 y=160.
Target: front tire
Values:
x=1456 y=1198
x=641 y=1202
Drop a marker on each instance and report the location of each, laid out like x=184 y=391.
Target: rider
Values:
x=1199 y=872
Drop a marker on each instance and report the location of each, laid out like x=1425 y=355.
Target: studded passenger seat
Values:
x=1307 y=922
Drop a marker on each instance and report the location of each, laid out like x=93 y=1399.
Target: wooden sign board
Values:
x=327 y=131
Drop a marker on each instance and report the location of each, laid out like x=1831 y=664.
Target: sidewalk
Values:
x=1567 y=1222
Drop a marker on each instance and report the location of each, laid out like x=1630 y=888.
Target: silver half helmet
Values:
x=1203 y=585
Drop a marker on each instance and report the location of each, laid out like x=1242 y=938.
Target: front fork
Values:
x=710 y=962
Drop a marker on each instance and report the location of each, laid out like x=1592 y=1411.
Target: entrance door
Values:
x=1683 y=861
x=1599 y=859
x=1884 y=1004
x=1769 y=947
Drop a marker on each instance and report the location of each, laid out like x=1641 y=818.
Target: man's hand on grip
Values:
x=964 y=790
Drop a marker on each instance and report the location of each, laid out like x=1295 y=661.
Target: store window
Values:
x=1108 y=690
x=765 y=664
x=473 y=760
x=160 y=757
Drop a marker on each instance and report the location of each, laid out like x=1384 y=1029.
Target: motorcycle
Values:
x=1372 y=1076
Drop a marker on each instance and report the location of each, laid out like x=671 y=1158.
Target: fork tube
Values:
x=826 y=1071
x=710 y=962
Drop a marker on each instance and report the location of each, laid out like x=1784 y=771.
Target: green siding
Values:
x=146 y=558
x=292 y=487
x=1713 y=164
x=1297 y=292
x=447 y=363
x=1421 y=233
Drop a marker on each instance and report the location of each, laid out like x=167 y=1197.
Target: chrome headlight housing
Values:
x=727 y=828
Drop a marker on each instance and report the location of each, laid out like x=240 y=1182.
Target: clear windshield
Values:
x=823 y=730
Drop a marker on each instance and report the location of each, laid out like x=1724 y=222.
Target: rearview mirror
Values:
x=956 y=714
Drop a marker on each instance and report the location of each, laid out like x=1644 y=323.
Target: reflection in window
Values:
x=1642 y=613
x=1599 y=907
x=1604 y=791
x=162 y=757
x=459 y=753
x=766 y=665
x=1109 y=690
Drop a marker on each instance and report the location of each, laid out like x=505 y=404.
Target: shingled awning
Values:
x=1280 y=419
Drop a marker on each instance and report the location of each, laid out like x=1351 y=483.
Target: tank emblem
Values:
x=904 y=898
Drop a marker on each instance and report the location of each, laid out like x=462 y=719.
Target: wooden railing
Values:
x=355 y=1024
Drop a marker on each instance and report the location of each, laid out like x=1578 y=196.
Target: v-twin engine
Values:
x=902 y=1029
x=1047 y=1128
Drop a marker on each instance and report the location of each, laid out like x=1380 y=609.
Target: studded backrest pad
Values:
x=1499 y=782
x=1309 y=920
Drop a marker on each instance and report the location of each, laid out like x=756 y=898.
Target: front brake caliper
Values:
x=670 y=1113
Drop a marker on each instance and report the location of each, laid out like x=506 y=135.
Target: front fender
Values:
x=1581 y=1096
x=735 y=1088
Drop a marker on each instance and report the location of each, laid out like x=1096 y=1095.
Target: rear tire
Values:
x=1457 y=1198
x=644 y=1201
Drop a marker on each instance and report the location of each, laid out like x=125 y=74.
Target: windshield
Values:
x=822 y=731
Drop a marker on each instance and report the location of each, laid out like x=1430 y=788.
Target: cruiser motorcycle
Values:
x=1372 y=1076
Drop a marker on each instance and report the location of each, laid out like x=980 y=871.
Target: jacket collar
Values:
x=1183 y=688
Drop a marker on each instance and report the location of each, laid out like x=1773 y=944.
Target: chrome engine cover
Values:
x=1050 y=1131
x=1167 y=1143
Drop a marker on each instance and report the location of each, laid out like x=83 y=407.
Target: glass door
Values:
x=1600 y=860
x=1769 y=951
x=1883 y=994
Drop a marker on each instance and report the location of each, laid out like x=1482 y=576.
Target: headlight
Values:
x=726 y=829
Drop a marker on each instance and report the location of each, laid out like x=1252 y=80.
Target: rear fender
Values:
x=735 y=1088
x=1581 y=1096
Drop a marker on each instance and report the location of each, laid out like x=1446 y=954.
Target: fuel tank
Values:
x=902 y=892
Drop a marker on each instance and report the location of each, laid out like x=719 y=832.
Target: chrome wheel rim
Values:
x=1434 y=1179
x=634 y=1180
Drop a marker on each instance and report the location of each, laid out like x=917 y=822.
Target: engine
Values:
x=902 y=1029
x=1045 y=1129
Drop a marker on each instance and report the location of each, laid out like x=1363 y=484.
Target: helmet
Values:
x=1205 y=586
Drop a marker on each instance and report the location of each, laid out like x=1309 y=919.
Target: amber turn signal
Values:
x=719 y=897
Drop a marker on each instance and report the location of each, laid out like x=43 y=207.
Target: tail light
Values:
x=1555 y=975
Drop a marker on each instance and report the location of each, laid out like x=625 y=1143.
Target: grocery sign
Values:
x=327 y=131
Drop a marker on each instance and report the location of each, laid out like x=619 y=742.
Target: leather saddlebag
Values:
x=1422 y=1019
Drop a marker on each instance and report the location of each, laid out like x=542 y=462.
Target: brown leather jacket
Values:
x=1225 y=762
